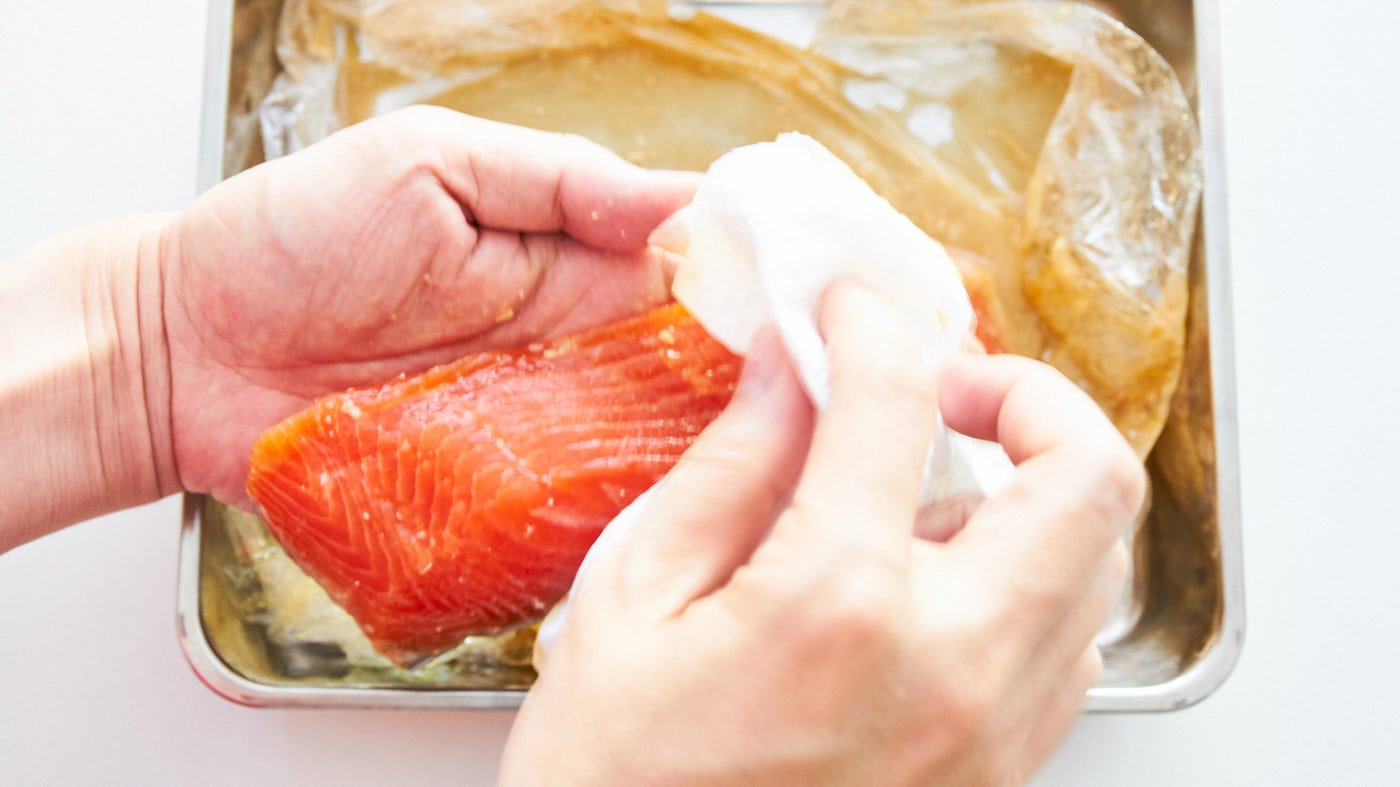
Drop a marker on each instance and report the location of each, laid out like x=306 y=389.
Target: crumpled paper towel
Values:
x=771 y=227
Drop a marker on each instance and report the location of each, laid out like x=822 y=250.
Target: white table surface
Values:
x=99 y=109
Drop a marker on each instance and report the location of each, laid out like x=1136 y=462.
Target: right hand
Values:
x=775 y=619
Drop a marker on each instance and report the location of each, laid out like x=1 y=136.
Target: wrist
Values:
x=84 y=402
x=146 y=359
x=122 y=271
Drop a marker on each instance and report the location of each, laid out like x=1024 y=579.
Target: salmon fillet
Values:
x=461 y=501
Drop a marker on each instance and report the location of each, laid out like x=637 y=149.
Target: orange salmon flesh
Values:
x=461 y=501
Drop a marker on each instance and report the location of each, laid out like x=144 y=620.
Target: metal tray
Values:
x=1191 y=629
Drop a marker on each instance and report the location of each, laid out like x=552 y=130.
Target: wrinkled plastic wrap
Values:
x=1043 y=137
x=1043 y=141
x=1102 y=203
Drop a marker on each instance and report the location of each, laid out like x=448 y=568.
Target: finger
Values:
x=1027 y=406
x=514 y=178
x=1042 y=537
x=512 y=290
x=718 y=503
x=871 y=442
x=545 y=286
x=1077 y=483
x=1082 y=621
x=1060 y=712
x=671 y=240
x=1055 y=657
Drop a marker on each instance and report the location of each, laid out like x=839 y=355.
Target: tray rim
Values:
x=1189 y=687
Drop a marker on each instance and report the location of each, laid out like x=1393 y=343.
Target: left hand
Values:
x=400 y=243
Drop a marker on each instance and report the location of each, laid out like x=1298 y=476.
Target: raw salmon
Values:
x=462 y=500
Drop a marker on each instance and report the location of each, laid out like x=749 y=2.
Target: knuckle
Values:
x=577 y=143
x=965 y=710
x=858 y=602
x=720 y=460
x=899 y=378
x=573 y=138
x=918 y=383
x=420 y=112
x=1037 y=369
x=738 y=454
x=1038 y=601
x=968 y=670
x=1127 y=476
x=1027 y=603
x=1115 y=488
x=540 y=250
x=1119 y=561
x=414 y=117
x=1090 y=667
x=1037 y=373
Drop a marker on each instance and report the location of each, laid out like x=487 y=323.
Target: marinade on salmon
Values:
x=461 y=501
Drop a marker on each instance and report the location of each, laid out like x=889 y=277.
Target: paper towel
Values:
x=770 y=228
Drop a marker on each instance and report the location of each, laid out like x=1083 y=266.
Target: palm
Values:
x=406 y=242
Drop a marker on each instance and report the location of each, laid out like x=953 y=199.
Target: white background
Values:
x=99 y=109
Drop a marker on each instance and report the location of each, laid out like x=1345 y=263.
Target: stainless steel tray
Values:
x=1191 y=630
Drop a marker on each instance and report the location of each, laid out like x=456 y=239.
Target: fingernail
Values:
x=853 y=306
x=762 y=365
x=843 y=294
x=673 y=234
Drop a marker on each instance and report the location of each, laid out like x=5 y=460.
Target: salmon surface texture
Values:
x=461 y=501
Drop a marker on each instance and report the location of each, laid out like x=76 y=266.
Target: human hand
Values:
x=775 y=618
x=405 y=241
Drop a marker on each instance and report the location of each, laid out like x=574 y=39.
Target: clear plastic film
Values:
x=1100 y=186
x=1047 y=145
x=1043 y=137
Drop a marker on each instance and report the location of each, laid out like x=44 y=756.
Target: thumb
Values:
x=712 y=510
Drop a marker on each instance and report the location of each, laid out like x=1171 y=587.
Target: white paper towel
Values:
x=771 y=227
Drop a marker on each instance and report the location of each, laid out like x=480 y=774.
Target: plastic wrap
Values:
x=1043 y=140
x=1044 y=137
x=1102 y=201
